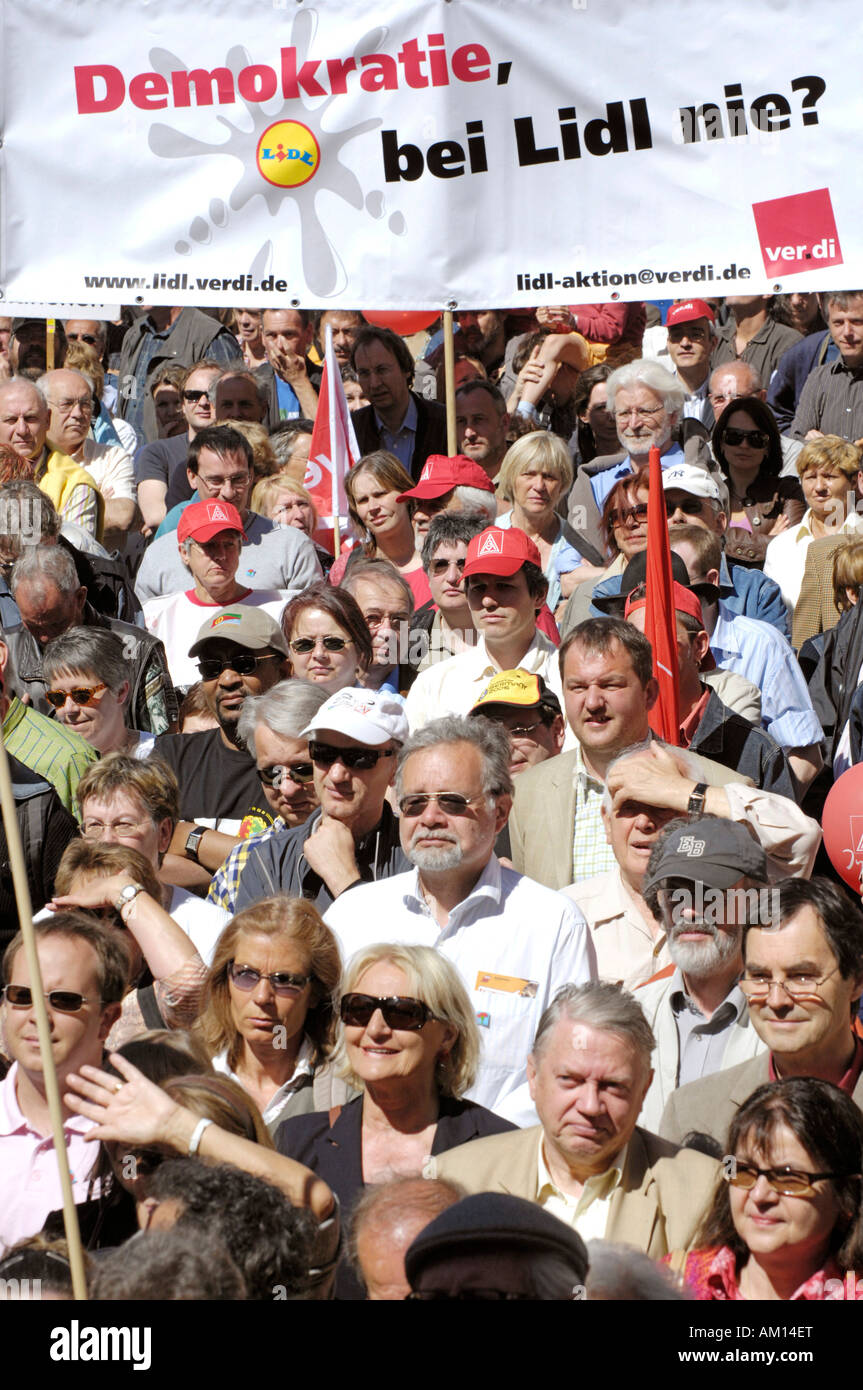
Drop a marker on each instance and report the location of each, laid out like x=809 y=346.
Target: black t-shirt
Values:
x=157 y=460
x=219 y=786
x=179 y=488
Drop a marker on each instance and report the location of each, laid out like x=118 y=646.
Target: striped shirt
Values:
x=47 y=747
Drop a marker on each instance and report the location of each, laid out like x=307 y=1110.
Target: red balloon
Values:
x=842 y=823
x=404 y=321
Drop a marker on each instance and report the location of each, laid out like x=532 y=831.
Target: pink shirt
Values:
x=29 y=1178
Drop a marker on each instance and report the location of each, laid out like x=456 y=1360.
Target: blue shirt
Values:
x=602 y=484
x=564 y=558
x=756 y=650
x=400 y=443
x=289 y=405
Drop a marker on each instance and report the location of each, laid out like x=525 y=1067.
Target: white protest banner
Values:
x=468 y=153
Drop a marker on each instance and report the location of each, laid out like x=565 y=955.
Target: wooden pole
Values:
x=50 y=344
x=449 y=374
x=52 y=1089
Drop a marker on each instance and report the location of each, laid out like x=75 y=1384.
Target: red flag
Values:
x=660 y=624
x=334 y=450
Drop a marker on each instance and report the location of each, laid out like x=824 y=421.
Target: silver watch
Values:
x=127 y=895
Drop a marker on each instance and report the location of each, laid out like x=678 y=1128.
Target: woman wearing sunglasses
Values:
x=748 y=448
x=409 y=1040
x=88 y=689
x=787 y=1217
x=269 y=1013
x=327 y=637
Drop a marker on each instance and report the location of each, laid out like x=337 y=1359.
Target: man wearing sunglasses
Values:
x=240 y=651
x=513 y=942
x=354 y=838
x=706 y=879
x=271 y=726
x=803 y=978
x=84 y=969
x=272 y=557
x=157 y=462
x=691 y=338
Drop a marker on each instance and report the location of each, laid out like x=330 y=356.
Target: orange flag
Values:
x=660 y=625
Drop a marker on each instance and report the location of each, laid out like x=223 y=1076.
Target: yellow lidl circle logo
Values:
x=288 y=154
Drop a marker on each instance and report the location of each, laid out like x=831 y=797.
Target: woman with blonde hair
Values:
x=535 y=474
x=269 y=1012
x=828 y=468
x=409 y=1039
x=287 y=503
x=382 y=523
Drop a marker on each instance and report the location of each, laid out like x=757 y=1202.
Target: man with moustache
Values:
x=706 y=879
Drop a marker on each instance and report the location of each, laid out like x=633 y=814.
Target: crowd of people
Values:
x=387 y=951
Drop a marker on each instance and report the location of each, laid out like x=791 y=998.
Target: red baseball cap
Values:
x=687 y=311
x=685 y=601
x=201 y=521
x=500 y=551
x=441 y=474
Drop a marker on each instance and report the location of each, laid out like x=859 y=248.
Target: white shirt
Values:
x=785 y=559
x=455 y=685
x=514 y=943
x=201 y=921
x=274 y=1111
x=176 y=619
x=110 y=467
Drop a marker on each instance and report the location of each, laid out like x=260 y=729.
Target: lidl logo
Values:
x=288 y=154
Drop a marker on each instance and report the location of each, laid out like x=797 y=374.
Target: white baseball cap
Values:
x=369 y=716
x=696 y=481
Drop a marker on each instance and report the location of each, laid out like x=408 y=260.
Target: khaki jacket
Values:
x=658 y=1206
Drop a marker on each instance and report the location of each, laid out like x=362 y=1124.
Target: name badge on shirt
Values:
x=506 y=984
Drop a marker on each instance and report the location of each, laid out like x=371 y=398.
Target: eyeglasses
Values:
x=82 y=695
x=301 y=646
x=295 y=772
x=243 y=663
x=756 y=438
x=95 y=829
x=451 y=803
x=691 y=506
x=82 y=338
x=358 y=759
x=523 y=730
x=627 y=515
x=282 y=982
x=65 y=1001
x=405 y=1015
x=440 y=567
x=789 y=1182
x=194 y=396
x=645 y=415
x=795 y=986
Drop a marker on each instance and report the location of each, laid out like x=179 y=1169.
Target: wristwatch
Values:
x=193 y=842
x=127 y=895
x=696 y=800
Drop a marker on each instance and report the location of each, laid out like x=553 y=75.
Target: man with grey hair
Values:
x=513 y=941
x=732 y=380
x=587 y=1162
x=706 y=879
x=24 y=417
x=271 y=726
x=238 y=395
x=51 y=599
x=647 y=404
x=445 y=627
x=70 y=399
x=386 y=601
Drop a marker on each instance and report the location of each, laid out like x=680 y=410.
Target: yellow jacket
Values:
x=60 y=475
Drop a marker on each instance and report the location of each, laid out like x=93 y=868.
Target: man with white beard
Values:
x=514 y=942
x=705 y=880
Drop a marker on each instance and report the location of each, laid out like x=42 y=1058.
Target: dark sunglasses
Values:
x=283 y=982
x=691 y=506
x=636 y=513
x=757 y=438
x=211 y=667
x=297 y=772
x=194 y=396
x=65 y=1001
x=406 y=1015
x=82 y=338
x=451 y=803
x=301 y=646
x=83 y=695
x=358 y=759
